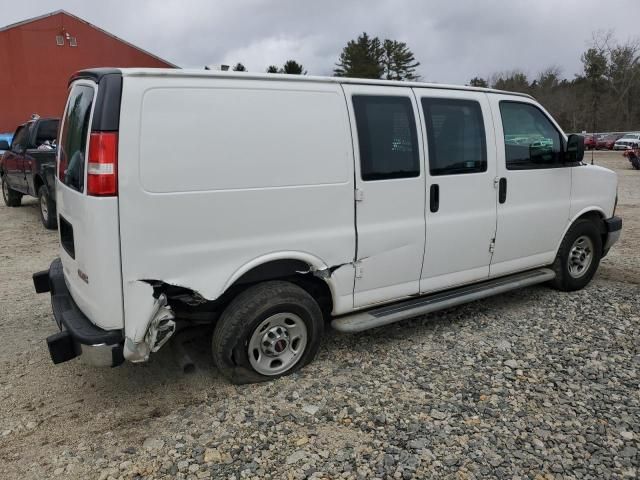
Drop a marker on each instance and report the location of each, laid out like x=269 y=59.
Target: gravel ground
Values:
x=533 y=384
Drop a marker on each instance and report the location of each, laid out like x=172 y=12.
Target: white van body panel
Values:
x=459 y=234
x=93 y=277
x=97 y=255
x=200 y=203
x=537 y=210
x=593 y=188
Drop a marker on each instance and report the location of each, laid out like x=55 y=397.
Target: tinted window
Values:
x=455 y=131
x=47 y=132
x=21 y=140
x=73 y=143
x=387 y=137
x=530 y=139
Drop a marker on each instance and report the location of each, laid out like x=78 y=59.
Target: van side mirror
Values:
x=4 y=145
x=575 y=149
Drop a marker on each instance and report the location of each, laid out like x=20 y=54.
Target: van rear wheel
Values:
x=10 y=196
x=578 y=257
x=269 y=330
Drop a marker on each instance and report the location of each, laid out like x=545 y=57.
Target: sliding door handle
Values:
x=502 y=190
x=434 y=198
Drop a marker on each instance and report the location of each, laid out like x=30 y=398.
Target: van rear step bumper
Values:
x=78 y=335
x=387 y=314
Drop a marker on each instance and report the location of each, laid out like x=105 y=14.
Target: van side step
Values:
x=387 y=314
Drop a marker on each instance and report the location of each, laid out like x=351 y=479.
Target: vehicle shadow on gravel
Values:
x=164 y=368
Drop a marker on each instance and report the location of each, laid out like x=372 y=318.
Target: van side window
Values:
x=530 y=139
x=73 y=144
x=456 y=136
x=387 y=137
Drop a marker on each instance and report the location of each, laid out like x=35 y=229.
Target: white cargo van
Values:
x=270 y=205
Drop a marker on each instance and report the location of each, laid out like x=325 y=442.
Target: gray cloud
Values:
x=453 y=40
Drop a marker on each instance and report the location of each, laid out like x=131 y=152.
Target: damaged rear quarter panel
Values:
x=203 y=239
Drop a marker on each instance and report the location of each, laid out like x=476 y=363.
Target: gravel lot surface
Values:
x=532 y=384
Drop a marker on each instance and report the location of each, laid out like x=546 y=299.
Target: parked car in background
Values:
x=5 y=141
x=606 y=142
x=627 y=142
x=28 y=167
x=590 y=142
x=269 y=244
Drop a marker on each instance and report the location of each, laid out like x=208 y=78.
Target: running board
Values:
x=387 y=314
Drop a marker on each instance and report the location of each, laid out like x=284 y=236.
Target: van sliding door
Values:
x=390 y=192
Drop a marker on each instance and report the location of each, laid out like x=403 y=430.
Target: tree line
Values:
x=602 y=98
x=364 y=57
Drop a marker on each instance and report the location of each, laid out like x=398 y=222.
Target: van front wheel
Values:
x=578 y=257
x=269 y=330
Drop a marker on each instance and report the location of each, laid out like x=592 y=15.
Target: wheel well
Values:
x=591 y=215
x=597 y=218
x=294 y=271
x=189 y=304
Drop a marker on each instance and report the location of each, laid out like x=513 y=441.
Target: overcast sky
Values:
x=453 y=40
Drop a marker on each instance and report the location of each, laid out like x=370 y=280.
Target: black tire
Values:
x=236 y=325
x=47 y=206
x=11 y=197
x=565 y=281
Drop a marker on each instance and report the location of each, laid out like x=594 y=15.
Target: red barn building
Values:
x=37 y=57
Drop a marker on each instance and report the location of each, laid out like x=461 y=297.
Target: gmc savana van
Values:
x=269 y=205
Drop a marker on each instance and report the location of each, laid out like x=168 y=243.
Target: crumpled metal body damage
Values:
x=156 y=327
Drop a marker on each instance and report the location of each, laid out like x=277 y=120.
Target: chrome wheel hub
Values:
x=277 y=343
x=580 y=256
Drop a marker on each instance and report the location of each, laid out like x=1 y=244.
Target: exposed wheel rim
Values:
x=5 y=190
x=44 y=207
x=277 y=343
x=580 y=256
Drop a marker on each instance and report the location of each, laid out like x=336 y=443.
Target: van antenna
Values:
x=593 y=136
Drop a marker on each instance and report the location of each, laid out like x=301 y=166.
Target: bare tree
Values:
x=623 y=71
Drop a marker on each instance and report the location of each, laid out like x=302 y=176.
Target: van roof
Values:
x=95 y=74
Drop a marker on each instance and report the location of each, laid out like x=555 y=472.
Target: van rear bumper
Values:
x=78 y=336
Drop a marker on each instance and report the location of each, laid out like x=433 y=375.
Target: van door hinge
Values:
x=358 y=267
x=359 y=194
x=492 y=245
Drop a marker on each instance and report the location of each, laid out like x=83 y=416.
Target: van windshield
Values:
x=73 y=144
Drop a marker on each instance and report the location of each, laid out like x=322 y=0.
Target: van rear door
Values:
x=87 y=212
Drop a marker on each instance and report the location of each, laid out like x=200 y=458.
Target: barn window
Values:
x=73 y=42
x=59 y=40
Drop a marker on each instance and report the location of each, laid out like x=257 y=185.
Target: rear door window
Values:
x=75 y=131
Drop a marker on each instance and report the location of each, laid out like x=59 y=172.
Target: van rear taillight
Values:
x=102 y=168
